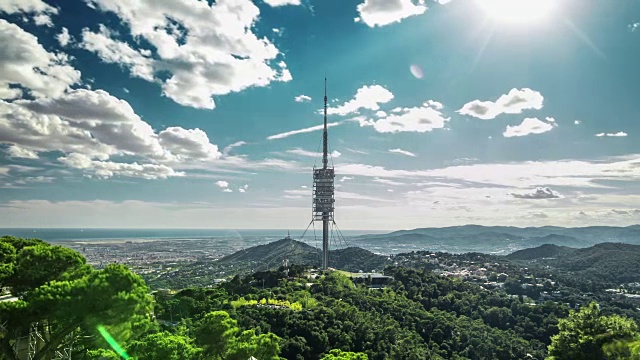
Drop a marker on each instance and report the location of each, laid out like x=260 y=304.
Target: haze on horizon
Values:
x=191 y=115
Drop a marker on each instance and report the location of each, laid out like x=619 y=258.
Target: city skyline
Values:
x=195 y=114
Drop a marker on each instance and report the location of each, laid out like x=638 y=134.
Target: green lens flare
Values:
x=112 y=342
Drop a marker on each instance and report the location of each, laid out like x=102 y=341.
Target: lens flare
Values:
x=416 y=71
x=112 y=342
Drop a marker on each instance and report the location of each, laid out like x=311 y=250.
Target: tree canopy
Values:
x=584 y=333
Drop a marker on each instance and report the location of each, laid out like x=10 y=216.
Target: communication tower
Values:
x=324 y=190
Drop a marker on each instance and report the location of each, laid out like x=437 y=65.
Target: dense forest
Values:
x=60 y=304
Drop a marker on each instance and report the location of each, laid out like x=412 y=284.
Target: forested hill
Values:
x=541 y=252
x=262 y=258
x=270 y=256
x=613 y=263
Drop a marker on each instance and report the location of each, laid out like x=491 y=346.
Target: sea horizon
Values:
x=78 y=234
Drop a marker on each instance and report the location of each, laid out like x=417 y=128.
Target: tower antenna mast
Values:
x=323 y=189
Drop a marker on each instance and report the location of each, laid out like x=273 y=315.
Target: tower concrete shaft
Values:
x=325 y=215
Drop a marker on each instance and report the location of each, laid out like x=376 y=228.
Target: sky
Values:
x=208 y=114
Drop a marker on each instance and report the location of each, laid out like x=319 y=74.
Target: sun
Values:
x=518 y=11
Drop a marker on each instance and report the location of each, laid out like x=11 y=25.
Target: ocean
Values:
x=76 y=234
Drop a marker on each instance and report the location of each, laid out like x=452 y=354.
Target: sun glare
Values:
x=517 y=10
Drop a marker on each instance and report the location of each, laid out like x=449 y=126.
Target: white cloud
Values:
x=100 y=123
x=357 y=151
x=43 y=20
x=27 y=6
x=387 y=182
x=276 y=3
x=564 y=173
x=244 y=188
x=18 y=152
x=416 y=119
x=538 y=193
x=384 y=12
x=26 y=63
x=206 y=50
x=222 y=184
x=340 y=195
x=107 y=169
x=302 y=98
x=381 y=114
x=227 y=190
x=529 y=126
x=515 y=102
x=302 y=152
x=618 y=134
x=230 y=147
x=367 y=97
x=345 y=178
x=64 y=38
x=113 y=51
x=633 y=27
x=403 y=152
x=96 y=125
x=303 y=131
x=191 y=144
x=577 y=122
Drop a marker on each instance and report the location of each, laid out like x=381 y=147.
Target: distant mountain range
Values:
x=500 y=240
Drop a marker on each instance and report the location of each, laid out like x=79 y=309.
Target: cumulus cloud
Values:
x=92 y=125
x=367 y=97
x=302 y=98
x=416 y=119
x=244 y=188
x=303 y=131
x=514 y=102
x=577 y=122
x=634 y=27
x=201 y=50
x=27 y=64
x=538 y=193
x=18 y=152
x=139 y=62
x=618 y=134
x=227 y=190
x=403 y=152
x=26 y=6
x=107 y=169
x=276 y=3
x=345 y=178
x=530 y=126
x=101 y=123
x=43 y=20
x=384 y=12
x=188 y=144
x=64 y=38
x=222 y=184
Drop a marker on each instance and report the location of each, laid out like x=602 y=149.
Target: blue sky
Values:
x=195 y=114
